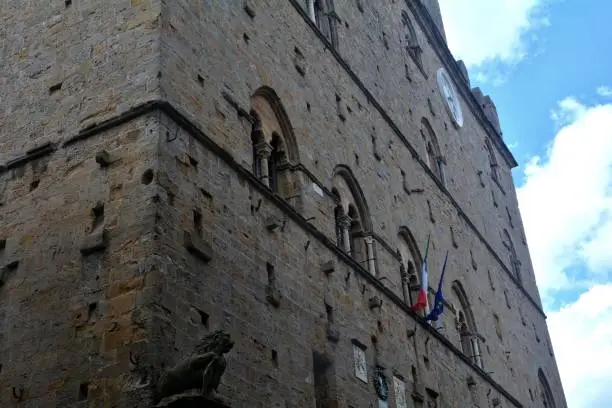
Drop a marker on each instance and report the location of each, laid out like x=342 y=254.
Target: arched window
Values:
x=410 y=40
x=545 y=392
x=515 y=265
x=274 y=146
x=466 y=326
x=411 y=262
x=323 y=14
x=434 y=157
x=353 y=224
x=492 y=160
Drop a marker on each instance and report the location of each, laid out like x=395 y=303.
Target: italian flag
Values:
x=421 y=303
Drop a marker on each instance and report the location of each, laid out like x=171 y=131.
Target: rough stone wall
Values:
x=68 y=65
x=154 y=297
x=272 y=363
x=75 y=262
x=211 y=82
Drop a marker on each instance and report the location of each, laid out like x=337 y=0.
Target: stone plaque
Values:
x=361 y=367
x=399 y=387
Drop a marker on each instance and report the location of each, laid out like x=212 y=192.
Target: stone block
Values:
x=94 y=242
x=197 y=247
x=273 y=223
x=103 y=158
x=328 y=267
x=273 y=296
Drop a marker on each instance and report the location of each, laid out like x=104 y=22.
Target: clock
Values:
x=450 y=97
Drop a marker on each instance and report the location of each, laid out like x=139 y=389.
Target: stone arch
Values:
x=275 y=150
x=411 y=262
x=352 y=216
x=545 y=391
x=411 y=40
x=493 y=165
x=466 y=325
x=433 y=155
x=514 y=261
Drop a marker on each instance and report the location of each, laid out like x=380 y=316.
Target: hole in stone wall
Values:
x=271 y=274
x=308 y=106
x=413 y=371
x=203 y=318
x=197 y=222
x=34 y=184
x=200 y=79
x=275 y=358
x=67 y=3
x=147 y=177
x=55 y=88
x=193 y=161
x=170 y=198
x=98 y=216
x=83 y=391
x=92 y=308
x=246 y=38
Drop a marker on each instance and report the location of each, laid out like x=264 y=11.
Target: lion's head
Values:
x=219 y=342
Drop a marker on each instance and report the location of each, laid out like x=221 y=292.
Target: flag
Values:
x=438 y=308
x=421 y=303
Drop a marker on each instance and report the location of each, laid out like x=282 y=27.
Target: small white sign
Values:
x=361 y=366
x=317 y=189
x=399 y=387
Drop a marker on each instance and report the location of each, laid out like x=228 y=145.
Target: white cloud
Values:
x=581 y=335
x=479 y=31
x=566 y=205
x=566 y=200
x=605 y=91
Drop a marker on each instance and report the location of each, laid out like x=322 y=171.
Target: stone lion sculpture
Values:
x=203 y=371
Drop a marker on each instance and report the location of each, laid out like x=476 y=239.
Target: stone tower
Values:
x=174 y=175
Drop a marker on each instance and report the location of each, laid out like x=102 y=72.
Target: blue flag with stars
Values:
x=438 y=307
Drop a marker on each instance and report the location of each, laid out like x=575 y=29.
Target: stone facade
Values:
x=168 y=169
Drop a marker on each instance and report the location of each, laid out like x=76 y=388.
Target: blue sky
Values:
x=547 y=65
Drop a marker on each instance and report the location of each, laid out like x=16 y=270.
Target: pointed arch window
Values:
x=545 y=391
x=410 y=262
x=323 y=15
x=410 y=41
x=435 y=160
x=493 y=166
x=466 y=326
x=353 y=224
x=274 y=146
x=515 y=265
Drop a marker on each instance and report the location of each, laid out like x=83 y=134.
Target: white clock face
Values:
x=451 y=100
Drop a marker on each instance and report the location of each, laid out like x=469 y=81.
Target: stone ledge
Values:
x=94 y=242
x=192 y=400
x=196 y=246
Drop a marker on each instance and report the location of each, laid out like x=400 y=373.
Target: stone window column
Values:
x=476 y=348
x=441 y=167
x=404 y=276
x=310 y=5
x=370 y=250
x=345 y=225
x=263 y=151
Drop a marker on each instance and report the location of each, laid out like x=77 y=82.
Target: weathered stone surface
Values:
x=97 y=241
x=111 y=62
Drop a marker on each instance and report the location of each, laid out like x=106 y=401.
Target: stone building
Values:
x=270 y=168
